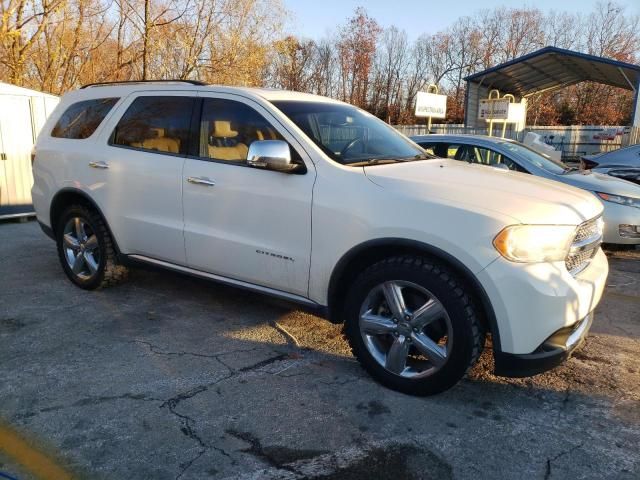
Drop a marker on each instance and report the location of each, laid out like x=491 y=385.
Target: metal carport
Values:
x=545 y=70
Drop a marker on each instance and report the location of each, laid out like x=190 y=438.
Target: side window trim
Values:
x=142 y=150
x=193 y=149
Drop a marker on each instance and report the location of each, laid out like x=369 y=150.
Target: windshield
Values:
x=538 y=159
x=349 y=135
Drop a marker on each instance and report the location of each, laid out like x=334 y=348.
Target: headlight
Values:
x=535 y=243
x=619 y=199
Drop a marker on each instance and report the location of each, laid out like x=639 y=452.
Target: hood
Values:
x=623 y=157
x=624 y=173
x=523 y=197
x=597 y=182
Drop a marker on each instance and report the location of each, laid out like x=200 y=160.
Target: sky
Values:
x=315 y=18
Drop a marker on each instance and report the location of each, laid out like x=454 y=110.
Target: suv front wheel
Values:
x=412 y=326
x=86 y=250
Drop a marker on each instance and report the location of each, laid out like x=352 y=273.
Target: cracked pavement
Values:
x=169 y=377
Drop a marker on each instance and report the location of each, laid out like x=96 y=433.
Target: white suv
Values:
x=319 y=202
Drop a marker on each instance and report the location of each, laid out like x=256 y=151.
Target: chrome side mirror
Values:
x=271 y=155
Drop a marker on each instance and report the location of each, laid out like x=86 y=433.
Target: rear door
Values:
x=138 y=176
x=242 y=222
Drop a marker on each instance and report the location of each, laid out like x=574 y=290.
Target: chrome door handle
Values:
x=101 y=165
x=201 y=181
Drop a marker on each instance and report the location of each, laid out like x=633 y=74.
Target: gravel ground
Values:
x=170 y=377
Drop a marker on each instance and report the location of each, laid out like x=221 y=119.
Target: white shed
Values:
x=22 y=114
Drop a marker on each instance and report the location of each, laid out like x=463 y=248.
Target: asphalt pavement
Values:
x=169 y=377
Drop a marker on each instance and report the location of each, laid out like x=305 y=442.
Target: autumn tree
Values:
x=292 y=67
x=58 y=45
x=23 y=22
x=356 y=50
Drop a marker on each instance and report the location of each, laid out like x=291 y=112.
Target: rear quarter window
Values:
x=81 y=119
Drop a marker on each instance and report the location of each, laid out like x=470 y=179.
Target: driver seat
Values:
x=226 y=146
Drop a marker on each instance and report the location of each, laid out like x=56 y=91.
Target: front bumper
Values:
x=552 y=352
x=534 y=303
x=616 y=215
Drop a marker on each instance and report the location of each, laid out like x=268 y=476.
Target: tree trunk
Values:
x=145 y=40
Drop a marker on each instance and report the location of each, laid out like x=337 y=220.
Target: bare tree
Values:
x=23 y=21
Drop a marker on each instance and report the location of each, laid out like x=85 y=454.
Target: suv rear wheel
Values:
x=412 y=326
x=85 y=249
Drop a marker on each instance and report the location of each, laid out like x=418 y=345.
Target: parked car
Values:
x=316 y=201
x=621 y=199
x=622 y=163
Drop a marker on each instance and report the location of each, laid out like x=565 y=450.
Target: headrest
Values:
x=222 y=129
x=158 y=131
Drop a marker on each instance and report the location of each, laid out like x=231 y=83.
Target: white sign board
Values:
x=431 y=105
x=501 y=111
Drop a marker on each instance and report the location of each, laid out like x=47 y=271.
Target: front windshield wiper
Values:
x=423 y=156
x=375 y=161
x=391 y=159
x=570 y=169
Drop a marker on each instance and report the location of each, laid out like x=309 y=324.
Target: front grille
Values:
x=577 y=261
x=587 y=230
x=585 y=245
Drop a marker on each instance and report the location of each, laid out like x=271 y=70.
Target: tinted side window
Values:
x=429 y=148
x=486 y=156
x=156 y=123
x=510 y=163
x=227 y=128
x=442 y=150
x=81 y=119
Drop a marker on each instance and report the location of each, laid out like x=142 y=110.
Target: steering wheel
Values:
x=350 y=145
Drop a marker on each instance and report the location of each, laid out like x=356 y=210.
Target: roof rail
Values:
x=127 y=82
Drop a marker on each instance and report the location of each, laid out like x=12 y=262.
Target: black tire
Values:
x=466 y=330
x=108 y=271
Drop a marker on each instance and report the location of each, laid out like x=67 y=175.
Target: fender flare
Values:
x=92 y=204
x=416 y=246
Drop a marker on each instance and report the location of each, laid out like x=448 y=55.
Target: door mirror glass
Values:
x=271 y=155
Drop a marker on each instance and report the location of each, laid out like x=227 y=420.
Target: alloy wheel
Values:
x=406 y=329
x=81 y=249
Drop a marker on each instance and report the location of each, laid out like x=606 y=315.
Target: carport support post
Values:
x=520 y=126
x=635 y=115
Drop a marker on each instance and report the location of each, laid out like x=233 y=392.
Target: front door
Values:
x=241 y=222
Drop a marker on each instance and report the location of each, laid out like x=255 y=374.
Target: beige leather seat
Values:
x=221 y=133
x=160 y=142
x=267 y=135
